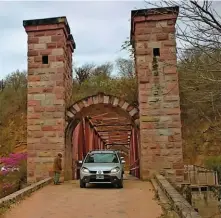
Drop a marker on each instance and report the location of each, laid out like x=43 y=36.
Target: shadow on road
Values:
x=101 y=186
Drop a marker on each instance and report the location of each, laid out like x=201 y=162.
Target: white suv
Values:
x=103 y=166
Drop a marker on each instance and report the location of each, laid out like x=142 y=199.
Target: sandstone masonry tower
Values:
x=50 y=47
x=153 y=39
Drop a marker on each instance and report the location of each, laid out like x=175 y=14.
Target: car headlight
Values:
x=115 y=170
x=85 y=170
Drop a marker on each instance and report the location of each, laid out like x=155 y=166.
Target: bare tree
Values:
x=16 y=80
x=103 y=70
x=84 y=72
x=125 y=67
x=198 y=27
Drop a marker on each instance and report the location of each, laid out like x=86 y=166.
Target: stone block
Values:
x=33 y=78
x=161 y=24
x=49 y=122
x=37 y=134
x=144 y=51
x=59 y=102
x=44 y=39
x=153 y=44
x=133 y=112
x=33 y=40
x=172 y=111
x=33 y=128
x=32 y=53
x=154 y=99
x=165 y=132
x=125 y=105
x=144 y=37
x=57 y=51
x=178 y=165
x=39 y=46
x=44 y=154
x=56 y=140
x=58 y=115
x=70 y=114
x=39 y=97
x=50 y=96
x=165 y=119
x=52 y=46
x=57 y=64
x=47 y=51
x=76 y=107
x=171 y=98
x=162 y=36
x=60 y=58
x=149 y=119
x=162 y=138
x=47 y=102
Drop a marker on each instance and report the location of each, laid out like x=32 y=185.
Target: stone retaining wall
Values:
x=180 y=204
x=12 y=198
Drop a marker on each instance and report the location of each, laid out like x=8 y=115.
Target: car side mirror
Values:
x=123 y=161
x=80 y=161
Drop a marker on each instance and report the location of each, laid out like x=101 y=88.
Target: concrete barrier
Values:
x=178 y=202
x=12 y=198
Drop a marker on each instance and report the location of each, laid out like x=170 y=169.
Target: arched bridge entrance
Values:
x=101 y=122
x=50 y=48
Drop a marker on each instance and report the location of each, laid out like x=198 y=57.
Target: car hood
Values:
x=100 y=166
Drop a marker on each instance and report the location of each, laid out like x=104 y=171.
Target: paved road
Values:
x=68 y=201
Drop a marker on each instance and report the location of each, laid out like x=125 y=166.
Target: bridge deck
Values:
x=68 y=200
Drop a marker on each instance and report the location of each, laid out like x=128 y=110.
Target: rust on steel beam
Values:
x=110 y=146
x=110 y=125
x=117 y=143
x=118 y=130
x=91 y=124
x=84 y=150
x=90 y=139
x=118 y=137
x=88 y=135
x=80 y=142
x=136 y=152
x=94 y=140
x=120 y=142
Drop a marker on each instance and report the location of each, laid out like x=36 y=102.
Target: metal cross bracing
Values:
x=107 y=130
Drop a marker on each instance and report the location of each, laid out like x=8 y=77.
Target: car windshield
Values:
x=101 y=158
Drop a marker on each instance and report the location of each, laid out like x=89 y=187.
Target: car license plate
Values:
x=99 y=176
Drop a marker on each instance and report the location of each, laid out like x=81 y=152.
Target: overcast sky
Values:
x=98 y=27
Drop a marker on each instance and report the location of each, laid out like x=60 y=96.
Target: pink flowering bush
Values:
x=14 y=159
x=13 y=174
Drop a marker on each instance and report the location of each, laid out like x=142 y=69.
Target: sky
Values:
x=98 y=27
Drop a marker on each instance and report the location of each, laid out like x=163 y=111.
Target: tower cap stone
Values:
x=145 y=13
x=49 y=21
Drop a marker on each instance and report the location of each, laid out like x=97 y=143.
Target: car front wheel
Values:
x=82 y=184
x=120 y=184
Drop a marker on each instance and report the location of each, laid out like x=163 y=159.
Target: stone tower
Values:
x=50 y=48
x=153 y=40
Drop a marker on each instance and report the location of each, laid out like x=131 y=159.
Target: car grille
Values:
x=103 y=172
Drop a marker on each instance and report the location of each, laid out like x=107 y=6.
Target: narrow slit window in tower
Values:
x=45 y=59
x=156 y=52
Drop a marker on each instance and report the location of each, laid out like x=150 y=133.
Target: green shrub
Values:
x=214 y=163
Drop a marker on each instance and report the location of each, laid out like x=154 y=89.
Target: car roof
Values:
x=103 y=151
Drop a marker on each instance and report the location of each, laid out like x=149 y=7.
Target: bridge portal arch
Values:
x=106 y=113
x=50 y=48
